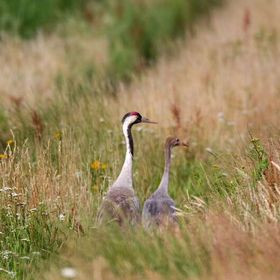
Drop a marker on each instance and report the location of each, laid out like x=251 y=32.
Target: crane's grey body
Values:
x=159 y=211
x=121 y=203
x=159 y=208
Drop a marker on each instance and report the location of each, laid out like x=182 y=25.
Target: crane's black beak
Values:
x=145 y=120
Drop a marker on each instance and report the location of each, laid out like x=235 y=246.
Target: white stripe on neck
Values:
x=125 y=177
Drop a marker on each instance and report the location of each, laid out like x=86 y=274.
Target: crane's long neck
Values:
x=125 y=177
x=163 y=186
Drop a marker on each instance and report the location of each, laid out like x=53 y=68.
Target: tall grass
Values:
x=58 y=159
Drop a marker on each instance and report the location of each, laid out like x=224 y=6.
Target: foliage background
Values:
x=207 y=73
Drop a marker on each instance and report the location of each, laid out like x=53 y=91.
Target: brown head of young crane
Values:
x=159 y=208
x=120 y=203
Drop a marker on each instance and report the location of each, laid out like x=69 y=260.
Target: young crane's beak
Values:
x=183 y=143
x=146 y=120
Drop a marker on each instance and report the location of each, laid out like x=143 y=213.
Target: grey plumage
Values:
x=120 y=205
x=159 y=211
x=159 y=208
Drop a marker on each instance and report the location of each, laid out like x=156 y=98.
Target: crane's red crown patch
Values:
x=134 y=114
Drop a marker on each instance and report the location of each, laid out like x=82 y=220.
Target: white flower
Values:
x=14 y=194
x=5 y=254
x=61 y=217
x=68 y=272
x=5 y=189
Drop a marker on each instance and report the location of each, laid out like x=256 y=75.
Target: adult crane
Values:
x=121 y=203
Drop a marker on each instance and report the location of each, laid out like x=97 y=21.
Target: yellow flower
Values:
x=57 y=135
x=96 y=165
x=104 y=166
x=10 y=142
x=3 y=156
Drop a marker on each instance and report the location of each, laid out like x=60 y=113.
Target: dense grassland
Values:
x=61 y=142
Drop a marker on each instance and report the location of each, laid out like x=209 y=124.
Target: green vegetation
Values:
x=31 y=228
x=57 y=158
x=42 y=208
x=26 y=17
x=27 y=236
x=136 y=30
x=139 y=30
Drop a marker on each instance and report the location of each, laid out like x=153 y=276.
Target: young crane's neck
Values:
x=163 y=186
x=125 y=177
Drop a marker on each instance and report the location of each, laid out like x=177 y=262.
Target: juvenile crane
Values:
x=159 y=208
x=120 y=203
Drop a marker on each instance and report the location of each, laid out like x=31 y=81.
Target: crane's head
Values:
x=174 y=141
x=132 y=118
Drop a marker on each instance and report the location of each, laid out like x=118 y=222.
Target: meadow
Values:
x=63 y=90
